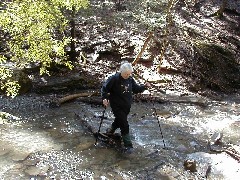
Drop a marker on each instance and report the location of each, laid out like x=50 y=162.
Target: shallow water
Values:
x=38 y=142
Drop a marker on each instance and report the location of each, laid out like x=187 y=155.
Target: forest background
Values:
x=191 y=44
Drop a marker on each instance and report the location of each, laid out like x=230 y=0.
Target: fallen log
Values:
x=170 y=99
x=97 y=100
x=58 y=102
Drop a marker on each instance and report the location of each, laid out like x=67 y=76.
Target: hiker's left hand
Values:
x=105 y=102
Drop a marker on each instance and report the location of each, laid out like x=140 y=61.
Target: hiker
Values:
x=117 y=90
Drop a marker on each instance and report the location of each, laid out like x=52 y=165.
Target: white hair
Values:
x=126 y=66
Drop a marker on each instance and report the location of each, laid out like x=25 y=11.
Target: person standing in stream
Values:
x=118 y=90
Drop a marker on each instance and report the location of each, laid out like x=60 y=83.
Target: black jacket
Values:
x=119 y=90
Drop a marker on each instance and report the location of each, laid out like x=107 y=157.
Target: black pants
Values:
x=121 y=119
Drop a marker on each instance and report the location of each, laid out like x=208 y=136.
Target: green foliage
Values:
x=31 y=24
x=70 y=4
x=8 y=85
x=36 y=30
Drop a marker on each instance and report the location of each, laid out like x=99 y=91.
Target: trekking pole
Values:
x=155 y=113
x=101 y=121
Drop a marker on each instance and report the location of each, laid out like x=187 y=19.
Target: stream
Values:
x=40 y=142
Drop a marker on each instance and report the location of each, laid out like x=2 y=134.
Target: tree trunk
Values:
x=143 y=48
x=222 y=8
x=220 y=11
x=73 y=35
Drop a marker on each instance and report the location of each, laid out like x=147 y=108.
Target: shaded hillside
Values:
x=189 y=38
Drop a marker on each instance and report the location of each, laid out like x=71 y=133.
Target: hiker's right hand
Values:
x=105 y=102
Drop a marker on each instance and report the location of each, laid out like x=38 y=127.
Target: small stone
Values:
x=216 y=138
x=190 y=165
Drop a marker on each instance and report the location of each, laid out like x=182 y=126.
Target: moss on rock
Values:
x=216 y=68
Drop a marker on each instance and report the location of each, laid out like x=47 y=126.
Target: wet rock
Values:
x=194 y=144
x=210 y=165
x=55 y=132
x=4 y=151
x=216 y=138
x=44 y=169
x=31 y=162
x=84 y=146
x=105 y=176
x=163 y=177
x=182 y=148
x=169 y=172
x=190 y=165
x=124 y=164
x=114 y=176
x=164 y=113
x=15 y=172
x=19 y=156
x=63 y=139
x=33 y=171
x=205 y=170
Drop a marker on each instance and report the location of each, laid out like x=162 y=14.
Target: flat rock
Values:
x=124 y=163
x=33 y=171
x=84 y=146
x=4 y=151
x=19 y=156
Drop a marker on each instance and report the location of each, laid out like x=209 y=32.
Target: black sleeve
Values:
x=107 y=87
x=137 y=88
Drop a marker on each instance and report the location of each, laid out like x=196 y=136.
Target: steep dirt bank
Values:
x=200 y=50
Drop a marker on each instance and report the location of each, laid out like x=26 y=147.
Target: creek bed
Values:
x=39 y=142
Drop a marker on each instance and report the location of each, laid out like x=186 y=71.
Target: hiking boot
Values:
x=127 y=141
x=128 y=150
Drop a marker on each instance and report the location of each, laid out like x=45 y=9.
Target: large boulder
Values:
x=65 y=83
x=215 y=68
